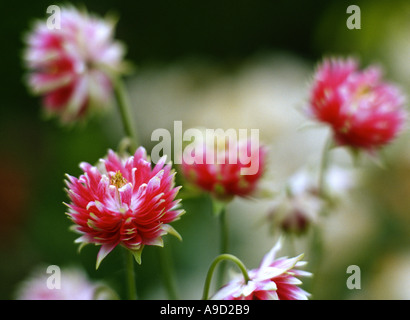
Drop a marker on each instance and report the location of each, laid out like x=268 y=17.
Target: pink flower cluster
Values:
x=123 y=202
x=222 y=177
x=73 y=285
x=274 y=279
x=72 y=67
x=363 y=111
x=129 y=202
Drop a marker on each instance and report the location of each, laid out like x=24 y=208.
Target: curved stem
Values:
x=124 y=107
x=218 y=259
x=129 y=265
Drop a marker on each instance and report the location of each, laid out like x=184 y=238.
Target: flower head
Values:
x=226 y=168
x=72 y=66
x=363 y=111
x=123 y=202
x=300 y=205
x=275 y=279
x=294 y=214
x=73 y=285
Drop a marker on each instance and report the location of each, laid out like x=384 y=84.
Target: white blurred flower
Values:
x=75 y=285
x=337 y=181
x=300 y=205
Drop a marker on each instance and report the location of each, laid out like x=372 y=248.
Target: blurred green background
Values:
x=204 y=41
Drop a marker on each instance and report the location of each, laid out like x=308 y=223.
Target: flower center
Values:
x=118 y=180
x=363 y=92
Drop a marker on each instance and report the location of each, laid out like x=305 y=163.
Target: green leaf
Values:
x=137 y=254
x=170 y=230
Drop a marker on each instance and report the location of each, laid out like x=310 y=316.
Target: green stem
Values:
x=316 y=257
x=224 y=239
x=131 y=132
x=124 y=107
x=129 y=265
x=324 y=163
x=210 y=273
x=317 y=237
x=168 y=273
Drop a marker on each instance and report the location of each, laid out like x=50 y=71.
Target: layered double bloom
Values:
x=274 y=279
x=123 y=201
x=235 y=169
x=363 y=111
x=72 y=67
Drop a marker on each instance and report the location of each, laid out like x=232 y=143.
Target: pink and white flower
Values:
x=73 y=285
x=219 y=168
x=72 y=67
x=123 y=202
x=363 y=111
x=275 y=279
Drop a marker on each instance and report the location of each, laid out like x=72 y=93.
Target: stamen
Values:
x=118 y=180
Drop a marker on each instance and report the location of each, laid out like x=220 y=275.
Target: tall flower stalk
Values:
x=364 y=114
x=225 y=167
x=125 y=110
x=323 y=166
x=224 y=243
x=130 y=276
